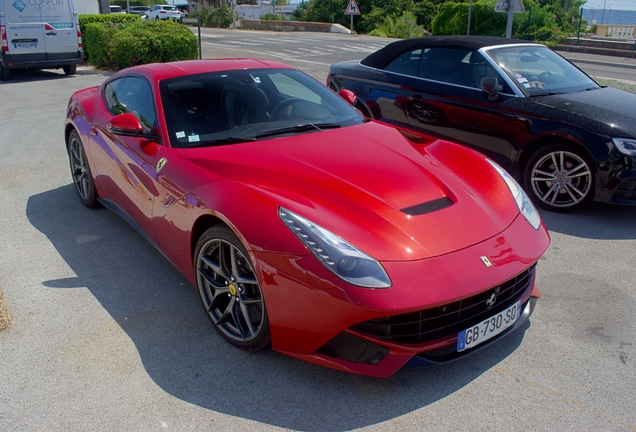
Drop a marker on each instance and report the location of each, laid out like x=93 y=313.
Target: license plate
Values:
x=25 y=45
x=489 y=328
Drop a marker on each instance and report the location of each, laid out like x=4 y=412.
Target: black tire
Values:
x=81 y=171
x=560 y=177
x=5 y=73
x=229 y=289
x=70 y=69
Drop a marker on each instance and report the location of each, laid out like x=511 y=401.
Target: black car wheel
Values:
x=70 y=69
x=81 y=171
x=229 y=289
x=560 y=178
x=5 y=74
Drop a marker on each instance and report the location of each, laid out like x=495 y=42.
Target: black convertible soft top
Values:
x=380 y=59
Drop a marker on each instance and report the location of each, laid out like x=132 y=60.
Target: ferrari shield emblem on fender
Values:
x=162 y=162
x=486 y=261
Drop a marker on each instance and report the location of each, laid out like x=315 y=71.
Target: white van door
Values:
x=25 y=31
x=60 y=32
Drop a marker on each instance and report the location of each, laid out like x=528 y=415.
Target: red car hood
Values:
x=357 y=182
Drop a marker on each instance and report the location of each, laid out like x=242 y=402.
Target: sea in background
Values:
x=609 y=16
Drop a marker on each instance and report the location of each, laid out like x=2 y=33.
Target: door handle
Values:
x=93 y=131
x=51 y=33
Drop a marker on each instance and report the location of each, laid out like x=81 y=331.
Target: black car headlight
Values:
x=526 y=207
x=626 y=146
x=342 y=258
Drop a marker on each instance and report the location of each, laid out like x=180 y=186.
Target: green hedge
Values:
x=85 y=19
x=121 y=45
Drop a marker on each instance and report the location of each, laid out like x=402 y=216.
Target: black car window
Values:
x=479 y=68
x=131 y=95
x=538 y=70
x=447 y=65
x=406 y=64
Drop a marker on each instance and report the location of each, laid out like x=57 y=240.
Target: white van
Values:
x=39 y=34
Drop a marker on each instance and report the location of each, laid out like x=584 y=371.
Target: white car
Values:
x=114 y=9
x=164 y=12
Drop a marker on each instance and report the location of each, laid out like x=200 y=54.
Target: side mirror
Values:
x=125 y=124
x=489 y=86
x=348 y=95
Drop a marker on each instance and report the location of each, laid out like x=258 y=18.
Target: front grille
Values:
x=431 y=324
x=626 y=190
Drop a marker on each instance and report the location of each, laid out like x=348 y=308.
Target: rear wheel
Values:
x=229 y=289
x=81 y=171
x=70 y=69
x=5 y=74
x=559 y=177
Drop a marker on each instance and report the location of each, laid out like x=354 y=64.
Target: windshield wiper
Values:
x=589 y=88
x=304 y=127
x=222 y=141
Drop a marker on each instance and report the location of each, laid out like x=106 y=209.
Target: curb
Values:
x=5 y=314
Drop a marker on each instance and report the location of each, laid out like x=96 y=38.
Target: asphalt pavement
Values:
x=598 y=59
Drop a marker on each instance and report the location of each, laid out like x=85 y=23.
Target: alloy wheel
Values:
x=230 y=292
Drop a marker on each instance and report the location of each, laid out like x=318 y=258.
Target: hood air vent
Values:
x=428 y=207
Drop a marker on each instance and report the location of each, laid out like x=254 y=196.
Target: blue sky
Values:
x=611 y=4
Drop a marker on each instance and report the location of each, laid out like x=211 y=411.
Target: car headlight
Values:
x=343 y=259
x=625 y=145
x=526 y=207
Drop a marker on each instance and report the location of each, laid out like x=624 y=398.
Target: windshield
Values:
x=538 y=70
x=230 y=107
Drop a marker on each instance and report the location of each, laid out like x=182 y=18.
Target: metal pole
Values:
x=511 y=12
x=578 y=35
x=351 y=23
x=199 y=26
x=470 y=9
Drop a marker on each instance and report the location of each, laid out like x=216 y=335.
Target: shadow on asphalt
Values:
x=597 y=221
x=19 y=76
x=161 y=313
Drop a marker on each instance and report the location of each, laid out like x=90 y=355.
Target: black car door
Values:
x=444 y=99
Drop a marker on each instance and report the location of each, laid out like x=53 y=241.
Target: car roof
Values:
x=380 y=59
x=160 y=71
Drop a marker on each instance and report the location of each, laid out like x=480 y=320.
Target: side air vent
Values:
x=428 y=207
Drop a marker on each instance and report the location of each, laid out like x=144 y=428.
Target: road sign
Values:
x=352 y=8
x=502 y=6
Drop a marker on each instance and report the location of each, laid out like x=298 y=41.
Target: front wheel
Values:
x=560 y=178
x=229 y=289
x=81 y=171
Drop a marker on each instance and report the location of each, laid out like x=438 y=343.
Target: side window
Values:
x=406 y=64
x=131 y=95
x=481 y=69
x=448 y=66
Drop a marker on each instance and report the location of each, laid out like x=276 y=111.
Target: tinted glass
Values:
x=406 y=64
x=131 y=95
x=540 y=71
x=243 y=105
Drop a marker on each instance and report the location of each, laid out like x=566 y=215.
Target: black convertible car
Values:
x=568 y=139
